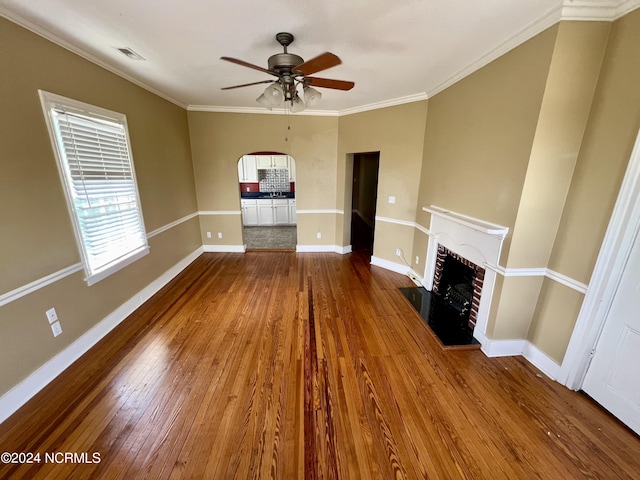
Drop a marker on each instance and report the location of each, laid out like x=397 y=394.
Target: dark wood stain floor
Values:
x=304 y=366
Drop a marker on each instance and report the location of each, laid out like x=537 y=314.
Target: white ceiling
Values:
x=395 y=50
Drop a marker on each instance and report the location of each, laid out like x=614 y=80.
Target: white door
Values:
x=613 y=378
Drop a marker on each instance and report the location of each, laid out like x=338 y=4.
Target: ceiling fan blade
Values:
x=321 y=62
x=248 y=84
x=329 y=83
x=246 y=64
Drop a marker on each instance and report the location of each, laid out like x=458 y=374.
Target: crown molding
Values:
x=52 y=37
x=319 y=113
x=580 y=10
x=597 y=10
x=549 y=19
x=260 y=110
x=386 y=103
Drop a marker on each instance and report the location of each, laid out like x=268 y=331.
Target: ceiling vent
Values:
x=131 y=54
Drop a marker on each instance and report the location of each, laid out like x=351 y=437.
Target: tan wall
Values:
x=477 y=147
x=606 y=149
x=37 y=237
x=230 y=226
x=574 y=71
x=604 y=154
x=397 y=133
x=554 y=318
x=570 y=85
x=479 y=135
x=218 y=140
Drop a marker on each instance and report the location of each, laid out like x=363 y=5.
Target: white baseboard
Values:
x=541 y=360
x=25 y=390
x=344 y=250
x=509 y=348
x=323 y=248
x=393 y=266
x=224 y=248
x=502 y=348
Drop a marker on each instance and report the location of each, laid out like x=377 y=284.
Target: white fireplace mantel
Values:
x=477 y=240
x=474 y=223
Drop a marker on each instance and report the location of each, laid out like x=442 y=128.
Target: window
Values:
x=92 y=149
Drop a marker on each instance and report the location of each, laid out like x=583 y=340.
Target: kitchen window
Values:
x=94 y=160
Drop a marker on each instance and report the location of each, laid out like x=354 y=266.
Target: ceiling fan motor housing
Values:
x=283 y=62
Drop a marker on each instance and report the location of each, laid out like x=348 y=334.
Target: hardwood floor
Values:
x=292 y=366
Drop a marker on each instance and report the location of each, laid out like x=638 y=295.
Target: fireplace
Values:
x=457 y=288
x=461 y=265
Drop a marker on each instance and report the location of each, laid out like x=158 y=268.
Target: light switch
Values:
x=56 y=328
x=52 y=315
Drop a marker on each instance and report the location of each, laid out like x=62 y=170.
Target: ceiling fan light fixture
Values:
x=297 y=105
x=311 y=96
x=274 y=94
x=264 y=101
x=292 y=71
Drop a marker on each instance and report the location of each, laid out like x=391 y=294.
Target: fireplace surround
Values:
x=473 y=243
x=458 y=282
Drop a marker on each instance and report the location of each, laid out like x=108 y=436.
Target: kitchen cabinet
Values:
x=249 y=164
x=272 y=161
x=292 y=169
x=249 y=212
x=265 y=212
x=280 y=161
x=248 y=169
x=269 y=212
x=293 y=218
x=281 y=212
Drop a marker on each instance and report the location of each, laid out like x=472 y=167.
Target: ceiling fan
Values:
x=292 y=71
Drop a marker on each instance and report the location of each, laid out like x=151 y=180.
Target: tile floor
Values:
x=270 y=237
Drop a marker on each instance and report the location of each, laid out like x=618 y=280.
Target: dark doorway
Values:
x=363 y=201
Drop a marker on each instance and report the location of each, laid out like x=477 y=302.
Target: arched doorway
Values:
x=267 y=187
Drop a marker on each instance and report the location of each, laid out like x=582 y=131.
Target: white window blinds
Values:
x=97 y=170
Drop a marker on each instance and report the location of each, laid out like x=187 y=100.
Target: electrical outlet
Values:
x=319 y=235
x=52 y=315
x=219 y=234
x=398 y=252
x=208 y=234
x=417 y=260
x=392 y=199
x=56 y=328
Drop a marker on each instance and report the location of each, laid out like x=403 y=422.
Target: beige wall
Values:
x=218 y=140
x=483 y=148
x=477 y=148
x=538 y=141
x=479 y=135
x=37 y=237
x=604 y=154
x=566 y=102
x=397 y=133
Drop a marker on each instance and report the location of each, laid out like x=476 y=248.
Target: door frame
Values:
x=612 y=259
x=350 y=175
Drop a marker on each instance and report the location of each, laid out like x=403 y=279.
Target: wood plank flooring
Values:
x=304 y=366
